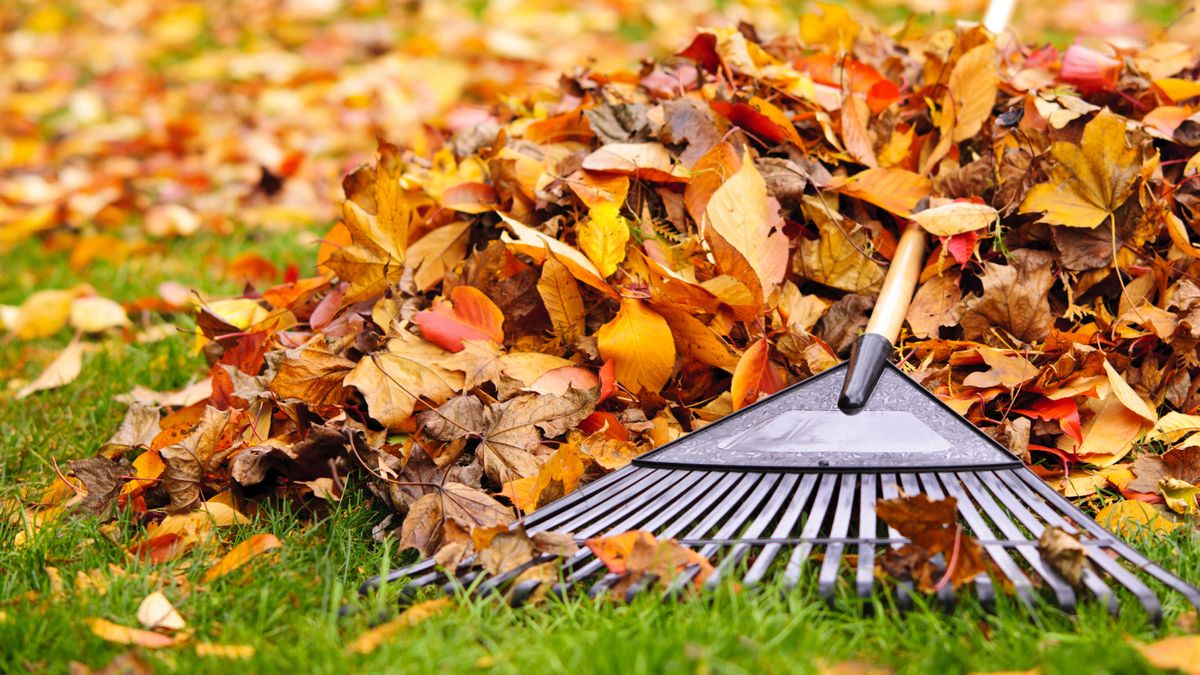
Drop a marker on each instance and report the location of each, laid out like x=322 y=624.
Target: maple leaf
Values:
x=839 y=257
x=603 y=237
x=638 y=341
x=467 y=315
x=189 y=460
x=426 y=521
x=314 y=376
x=932 y=526
x=1090 y=180
x=1015 y=298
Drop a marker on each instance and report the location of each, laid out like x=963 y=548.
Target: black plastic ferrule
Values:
x=867 y=359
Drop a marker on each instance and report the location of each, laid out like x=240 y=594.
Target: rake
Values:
x=788 y=485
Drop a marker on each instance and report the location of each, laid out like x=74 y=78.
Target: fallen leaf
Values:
x=603 y=236
x=739 y=213
x=62 y=371
x=156 y=611
x=408 y=370
x=1063 y=553
x=1178 y=652
x=564 y=303
x=638 y=341
x=1088 y=180
x=241 y=554
x=755 y=375
x=219 y=651
x=468 y=315
x=1015 y=298
x=955 y=218
x=95 y=314
x=418 y=613
x=111 y=632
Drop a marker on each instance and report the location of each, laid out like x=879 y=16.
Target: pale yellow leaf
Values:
x=738 y=212
x=156 y=611
x=62 y=370
x=955 y=218
x=111 y=632
x=96 y=314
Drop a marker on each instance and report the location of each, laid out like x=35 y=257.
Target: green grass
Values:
x=287 y=604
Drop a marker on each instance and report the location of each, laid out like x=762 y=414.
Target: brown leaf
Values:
x=1063 y=553
x=425 y=524
x=938 y=303
x=188 y=461
x=314 y=376
x=393 y=380
x=103 y=479
x=840 y=255
x=1015 y=299
x=933 y=528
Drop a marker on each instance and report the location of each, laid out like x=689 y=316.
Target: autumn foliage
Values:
x=513 y=309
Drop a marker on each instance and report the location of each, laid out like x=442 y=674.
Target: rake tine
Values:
x=395 y=575
x=827 y=576
x=812 y=527
x=864 y=580
x=1142 y=562
x=997 y=553
x=707 y=493
x=904 y=589
x=1145 y=596
x=1016 y=506
x=603 y=585
x=461 y=584
x=1063 y=593
x=585 y=511
x=732 y=502
x=523 y=591
x=737 y=520
x=787 y=522
x=934 y=490
x=493 y=584
x=779 y=495
x=615 y=480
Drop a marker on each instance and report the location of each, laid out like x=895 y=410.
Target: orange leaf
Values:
x=241 y=554
x=755 y=375
x=894 y=190
x=469 y=315
x=123 y=635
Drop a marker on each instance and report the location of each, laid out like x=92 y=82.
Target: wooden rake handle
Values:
x=874 y=347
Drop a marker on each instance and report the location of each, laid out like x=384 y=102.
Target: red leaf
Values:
x=961 y=246
x=602 y=420
x=1063 y=410
x=1089 y=70
x=608 y=379
x=744 y=116
x=703 y=51
x=468 y=315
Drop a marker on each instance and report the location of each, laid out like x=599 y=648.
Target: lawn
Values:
x=288 y=608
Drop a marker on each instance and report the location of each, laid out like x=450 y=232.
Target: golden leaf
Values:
x=738 y=212
x=638 y=341
x=564 y=303
x=603 y=237
x=1090 y=180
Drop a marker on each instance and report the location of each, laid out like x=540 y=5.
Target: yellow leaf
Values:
x=62 y=370
x=111 y=632
x=1090 y=180
x=1177 y=88
x=43 y=314
x=535 y=244
x=1174 y=426
x=241 y=554
x=437 y=252
x=839 y=257
x=834 y=27
x=95 y=314
x=955 y=218
x=1127 y=395
x=603 y=237
x=638 y=341
x=738 y=212
x=1178 y=652
x=1180 y=495
x=372 y=639
x=205 y=649
x=564 y=303
x=1109 y=435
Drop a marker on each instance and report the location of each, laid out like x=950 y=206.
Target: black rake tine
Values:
x=1016 y=506
x=828 y=574
x=787 y=522
x=1007 y=566
x=733 y=502
x=778 y=498
x=934 y=490
x=1133 y=556
x=904 y=588
x=1144 y=594
x=1063 y=593
x=705 y=499
x=395 y=575
x=812 y=527
x=583 y=511
x=864 y=580
x=766 y=489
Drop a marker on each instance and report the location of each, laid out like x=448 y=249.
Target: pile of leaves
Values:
x=512 y=309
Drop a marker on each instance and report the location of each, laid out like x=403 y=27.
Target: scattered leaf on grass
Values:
x=111 y=632
x=156 y=611
x=241 y=554
x=373 y=638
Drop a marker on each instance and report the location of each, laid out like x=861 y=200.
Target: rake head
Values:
x=774 y=491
